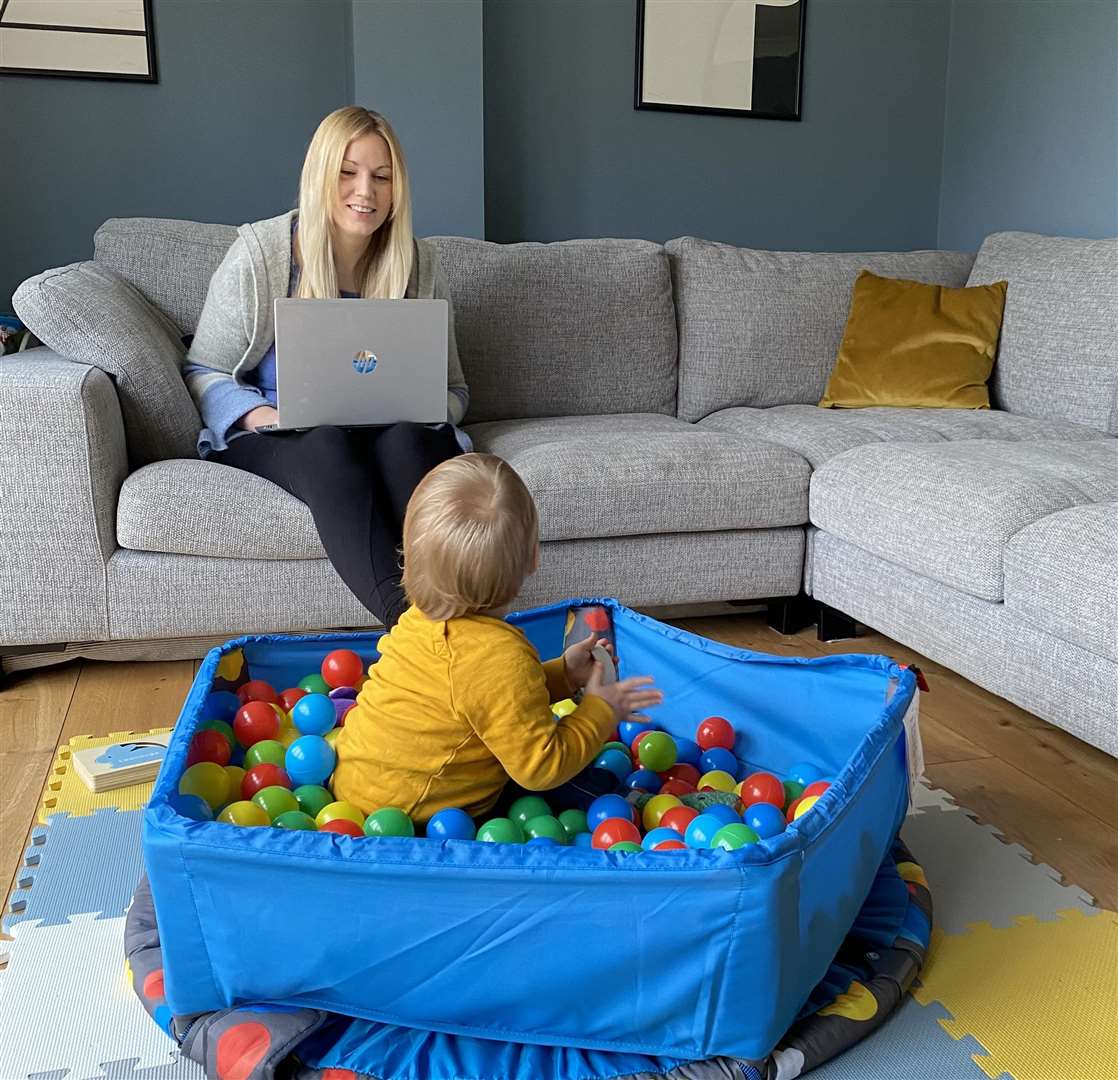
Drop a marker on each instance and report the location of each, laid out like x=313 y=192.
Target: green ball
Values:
x=615 y=745
x=574 y=821
x=625 y=845
x=224 y=728
x=389 y=821
x=733 y=836
x=546 y=825
x=313 y=799
x=314 y=684
x=275 y=800
x=500 y=830
x=294 y=819
x=265 y=752
x=793 y=789
x=527 y=807
x=656 y=751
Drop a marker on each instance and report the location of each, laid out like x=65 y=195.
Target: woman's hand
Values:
x=625 y=697
x=261 y=416
x=578 y=662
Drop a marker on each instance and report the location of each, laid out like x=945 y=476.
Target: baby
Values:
x=459 y=702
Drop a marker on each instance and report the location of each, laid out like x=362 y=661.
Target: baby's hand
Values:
x=579 y=663
x=625 y=697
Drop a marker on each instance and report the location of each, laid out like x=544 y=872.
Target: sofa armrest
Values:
x=61 y=470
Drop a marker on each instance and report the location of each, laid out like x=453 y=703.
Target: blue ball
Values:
x=655 y=836
x=582 y=839
x=630 y=729
x=451 y=824
x=644 y=780
x=608 y=806
x=701 y=831
x=220 y=705
x=616 y=761
x=687 y=751
x=543 y=841
x=191 y=806
x=764 y=819
x=310 y=760
x=726 y=814
x=718 y=757
x=804 y=772
x=314 y=714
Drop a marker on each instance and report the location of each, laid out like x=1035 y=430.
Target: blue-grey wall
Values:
x=1031 y=120
x=221 y=136
x=419 y=63
x=567 y=155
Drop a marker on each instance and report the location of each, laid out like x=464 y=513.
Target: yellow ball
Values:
x=718 y=780
x=332 y=735
x=336 y=810
x=656 y=808
x=287 y=734
x=805 y=806
x=284 y=717
x=564 y=707
x=244 y=813
x=234 y=775
x=207 y=780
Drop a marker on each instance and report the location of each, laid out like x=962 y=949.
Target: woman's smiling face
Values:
x=364 y=188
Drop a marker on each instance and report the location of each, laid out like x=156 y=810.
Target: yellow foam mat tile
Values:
x=67 y=793
x=1040 y=996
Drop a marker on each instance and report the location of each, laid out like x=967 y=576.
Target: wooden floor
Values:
x=1041 y=787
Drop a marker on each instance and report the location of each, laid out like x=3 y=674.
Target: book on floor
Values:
x=130 y=761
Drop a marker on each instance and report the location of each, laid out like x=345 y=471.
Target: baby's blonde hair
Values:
x=470 y=535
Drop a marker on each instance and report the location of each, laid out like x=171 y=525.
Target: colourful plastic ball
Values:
x=314 y=684
x=628 y=730
x=288 y=733
x=208 y=781
x=804 y=773
x=500 y=830
x=266 y=752
x=678 y=818
x=310 y=759
x=220 y=705
x=337 y=810
x=615 y=744
x=223 y=727
x=254 y=722
x=816 y=788
x=790 y=813
x=527 y=807
x=342 y=667
x=656 y=808
x=343 y=693
x=451 y=824
x=700 y=833
x=656 y=751
x=312 y=798
x=764 y=819
x=615 y=761
x=582 y=839
x=792 y=791
x=343 y=826
x=727 y=814
x=717 y=780
x=687 y=752
x=731 y=837
x=235 y=776
x=543 y=841
x=803 y=805
x=244 y=813
x=677 y=788
x=564 y=707
x=261 y=776
x=608 y=806
x=574 y=821
x=314 y=714
x=341 y=707
x=657 y=836
x=332 y=738
x=546 y=825
x=761 y=787
x=295 y=820
x=719 y=758
x=389 y=821
x=670 y=845
x=715 y=731
x=682 y=771
x=208 y=746
x=191 y=806
x=275 y=801
x=615 y=831
x=291 y=695
x=258 y=690
x=643 y=780
x=626 y=846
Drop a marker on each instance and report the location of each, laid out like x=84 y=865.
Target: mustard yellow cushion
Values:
x=911 y=345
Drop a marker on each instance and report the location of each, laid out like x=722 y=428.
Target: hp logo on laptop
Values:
x=365 y=362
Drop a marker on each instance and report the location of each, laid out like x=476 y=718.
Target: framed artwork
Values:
x=734 y=57
x=84 y=39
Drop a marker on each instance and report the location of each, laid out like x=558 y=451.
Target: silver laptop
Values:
x=356 y=363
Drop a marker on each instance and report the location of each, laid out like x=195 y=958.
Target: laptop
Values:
x=360 y=363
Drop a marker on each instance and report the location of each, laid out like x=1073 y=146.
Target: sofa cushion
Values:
x=625 y=475
x=820 y=434
x=87 y=313
x=763 y=327
x=169 y=261
x=571 y=328
x=1061 y=575
x=1058 y=355
x=948 y=510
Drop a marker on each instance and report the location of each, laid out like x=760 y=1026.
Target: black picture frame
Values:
x=791 y=84
x=148 y=33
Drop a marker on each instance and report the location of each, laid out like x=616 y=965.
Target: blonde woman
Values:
x=351 y=236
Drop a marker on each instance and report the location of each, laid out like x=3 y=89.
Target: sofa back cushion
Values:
x=170 y=262
x=577 y=327
x=1058 y=356
x=760 y=328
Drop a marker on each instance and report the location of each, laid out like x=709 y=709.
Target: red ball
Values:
x=678 y=818
x=343 y=826
x=816 y=789
x=715 y=731
x=676 y=787
x=342 y=667
x=258 y=690
x=670 y=845
x=612 y=831
x=792 y=810
x=682 y=771
x=208 y=745
x=254 y=722
x=291 y=695
x=633 y=752
x=261 y=776
x=762 y=787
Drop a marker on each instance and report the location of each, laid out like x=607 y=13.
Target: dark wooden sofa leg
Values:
x=790 y=614
x=835 y=625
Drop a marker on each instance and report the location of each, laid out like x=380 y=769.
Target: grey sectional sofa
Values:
x=659 y=402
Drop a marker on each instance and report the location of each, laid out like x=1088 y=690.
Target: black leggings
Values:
x=356 y=482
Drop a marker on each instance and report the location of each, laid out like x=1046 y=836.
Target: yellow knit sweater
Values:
x=452 y=710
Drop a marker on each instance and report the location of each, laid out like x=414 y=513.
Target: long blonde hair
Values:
x=384 y=269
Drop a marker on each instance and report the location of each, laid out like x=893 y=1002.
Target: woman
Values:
x=351 y=236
